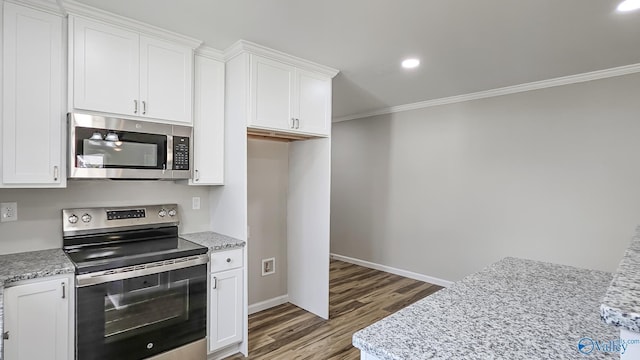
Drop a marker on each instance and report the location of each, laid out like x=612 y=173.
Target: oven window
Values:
x=143 y=304
x=100 y=148
x=142 y=316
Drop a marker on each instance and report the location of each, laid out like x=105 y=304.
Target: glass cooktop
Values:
x=116 y=254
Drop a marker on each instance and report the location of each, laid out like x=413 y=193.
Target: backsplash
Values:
x=39 y=224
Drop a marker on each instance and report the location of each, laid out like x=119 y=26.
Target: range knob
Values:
x=172 y=212
x=73 y=219
x=162 y=213
x=86 y=218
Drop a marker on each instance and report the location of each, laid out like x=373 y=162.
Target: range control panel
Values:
x=125 y=214
x=91 y=220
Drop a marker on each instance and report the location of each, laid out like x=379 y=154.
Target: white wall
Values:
x=551 y=175
x=39 y=224
x=267 y=175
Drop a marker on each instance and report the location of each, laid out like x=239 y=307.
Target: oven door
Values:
x=141 y=316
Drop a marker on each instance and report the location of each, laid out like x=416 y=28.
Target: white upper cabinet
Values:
x=208 y=122
x=288 y=98
x=118 y=71
x=105 y=68
x=166 y=80
x=271 y=94
x=313 y=105
x=32 y=104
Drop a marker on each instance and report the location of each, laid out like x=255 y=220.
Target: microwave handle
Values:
x=169 y=162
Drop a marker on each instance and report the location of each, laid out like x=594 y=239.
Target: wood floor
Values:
x=358 y=297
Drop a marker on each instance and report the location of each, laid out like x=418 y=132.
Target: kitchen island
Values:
x=513 y=309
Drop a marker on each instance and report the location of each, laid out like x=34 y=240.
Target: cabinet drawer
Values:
x=226 y=260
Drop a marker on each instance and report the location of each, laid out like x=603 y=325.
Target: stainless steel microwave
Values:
x=112 y=148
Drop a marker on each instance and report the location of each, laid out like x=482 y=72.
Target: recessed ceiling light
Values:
x=410 y=63
x=629 y=5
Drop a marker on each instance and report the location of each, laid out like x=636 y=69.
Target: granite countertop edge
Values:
x=214 y=241
x=620 y=318
x=620 y=306
x=372 y=349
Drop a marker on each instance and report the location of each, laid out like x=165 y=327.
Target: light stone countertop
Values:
x=513 y=309
x=214 y=241
x=30 y=265
x=621 y=303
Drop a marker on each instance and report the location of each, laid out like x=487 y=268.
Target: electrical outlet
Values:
x=8 y=212
x=195 y=203
x=268 y=266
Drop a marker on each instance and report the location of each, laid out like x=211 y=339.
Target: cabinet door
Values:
x=271 y=95
x=32 y=98
x=313 y=103
x=166 y=73
x=208 y=122
x=36 y=315
x=225 y=323
x=105 y=68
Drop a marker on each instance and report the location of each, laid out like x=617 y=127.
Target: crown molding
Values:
x=536 y=85
x=50 y=6
x=210 y=52
x=244 y=46
x=78 y=9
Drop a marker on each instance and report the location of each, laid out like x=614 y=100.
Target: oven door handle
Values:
x=128 y=272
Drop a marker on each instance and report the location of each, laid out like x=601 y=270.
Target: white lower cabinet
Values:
x=226 y=304
x=37 y=320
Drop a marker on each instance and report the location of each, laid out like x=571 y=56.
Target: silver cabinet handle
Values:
x=215 y=282
x=293 y=123
x=64 y=290
x=144 y=107
x=135 y=106
x=197 y=177
x=297 y=123
x=55 y=173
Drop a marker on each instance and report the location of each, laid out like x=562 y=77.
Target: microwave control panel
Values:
x=180 y=153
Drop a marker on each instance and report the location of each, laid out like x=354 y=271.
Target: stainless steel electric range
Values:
x=141 y=290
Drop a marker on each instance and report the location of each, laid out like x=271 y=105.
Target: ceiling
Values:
x=465 y=46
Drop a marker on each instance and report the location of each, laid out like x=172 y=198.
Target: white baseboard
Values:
x=389 y=269
x=267 y=304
